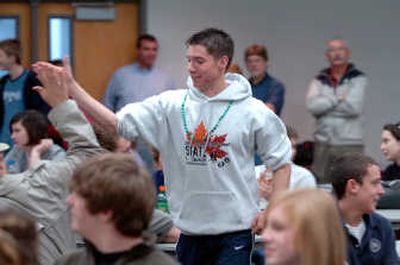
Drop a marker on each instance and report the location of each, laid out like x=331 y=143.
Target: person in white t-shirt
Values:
x=300 y=177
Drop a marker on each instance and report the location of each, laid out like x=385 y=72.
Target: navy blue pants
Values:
x=224 y=249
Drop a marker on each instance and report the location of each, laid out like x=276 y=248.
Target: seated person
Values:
x=100 y=189
x=390 y=147
x=300 y=177
x=302 y=228
x=356 y=181
x=29 y=134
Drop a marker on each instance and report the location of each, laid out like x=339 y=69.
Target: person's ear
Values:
x=106 y=216
x=223 y=62
x=352 y=186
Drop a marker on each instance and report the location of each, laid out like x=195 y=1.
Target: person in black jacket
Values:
x=356 y=182
x=16 y=94
x=390 y=147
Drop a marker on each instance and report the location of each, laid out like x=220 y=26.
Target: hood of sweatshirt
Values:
x=238 y=88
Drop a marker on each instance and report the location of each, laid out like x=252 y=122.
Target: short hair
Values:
x=346 y=167
x=115 y=182
x=34 y=122
x=256 y=49
x=217 y=42
x=12 y=47
x=314 y=217
x=23 y=229
x=145 y=37
x=394 y=129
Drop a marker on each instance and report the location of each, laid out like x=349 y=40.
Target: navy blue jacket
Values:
x=270 y=90
x=377 y=246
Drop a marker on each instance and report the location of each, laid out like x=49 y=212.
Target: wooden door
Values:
x=23 y=12
x=99 y=47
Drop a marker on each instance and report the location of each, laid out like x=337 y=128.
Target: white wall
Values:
x=295 y=33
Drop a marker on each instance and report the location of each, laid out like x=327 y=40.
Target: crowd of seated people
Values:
x=109 y=199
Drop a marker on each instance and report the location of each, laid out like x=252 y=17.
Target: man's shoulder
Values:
x=127 y=67
x=379 y=220
x=275 y=82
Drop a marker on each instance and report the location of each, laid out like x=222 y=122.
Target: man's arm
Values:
x=351 y=102
x=72 y=125
x=280 y=182
x=318 y=103
x=87 y=103
x=280 y=179
x=275 y=102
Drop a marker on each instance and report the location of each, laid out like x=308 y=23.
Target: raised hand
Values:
x=43 y=146
x=55 y=80
x=35 y=155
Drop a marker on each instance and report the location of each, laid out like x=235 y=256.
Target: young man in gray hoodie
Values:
x=208 y=135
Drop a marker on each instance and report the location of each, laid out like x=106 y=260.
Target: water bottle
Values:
x=162 y=201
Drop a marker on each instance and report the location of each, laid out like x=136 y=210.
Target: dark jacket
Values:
x=32 y=99
x=377 y=245
x=143 y=254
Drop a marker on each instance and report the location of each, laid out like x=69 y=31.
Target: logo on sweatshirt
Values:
x=375 y=245
x=200 y=147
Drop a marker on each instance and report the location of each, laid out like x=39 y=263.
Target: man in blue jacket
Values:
x=356 y=181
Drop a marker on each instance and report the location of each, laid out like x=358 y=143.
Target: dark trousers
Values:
x=224 y=249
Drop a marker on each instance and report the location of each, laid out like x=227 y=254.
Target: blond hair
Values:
x=318 y=233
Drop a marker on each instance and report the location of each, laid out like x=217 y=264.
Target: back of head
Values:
x=114 y=182
x=23 y=229
x=9 y=253
x=346 y=167
x=12 y=47
x=318 y=234
x=35 y=123
x=217 y=43
x=256 y=49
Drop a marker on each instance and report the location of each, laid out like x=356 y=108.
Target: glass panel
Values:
x=8 y=30
x=60 y=37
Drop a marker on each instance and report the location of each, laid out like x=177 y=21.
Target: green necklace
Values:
x=183 y=116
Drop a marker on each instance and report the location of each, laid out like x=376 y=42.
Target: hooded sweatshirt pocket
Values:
x=209 y=211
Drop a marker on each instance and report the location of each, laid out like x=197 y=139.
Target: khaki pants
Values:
x=325 y=154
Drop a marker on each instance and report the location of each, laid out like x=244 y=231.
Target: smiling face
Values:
x=19 y=135
x=337 y=53
x=369 y=191
x=278 y=237
x=390 y=146
x=205 y=70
